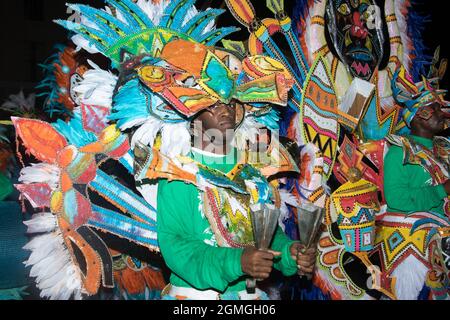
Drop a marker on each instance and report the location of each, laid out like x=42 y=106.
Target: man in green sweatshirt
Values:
x=410 y=187
x=201 y=269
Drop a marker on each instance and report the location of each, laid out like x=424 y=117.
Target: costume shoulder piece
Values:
x=432 y=160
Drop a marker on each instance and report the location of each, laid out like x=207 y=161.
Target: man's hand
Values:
x=447 y=186
x=305 y=260
x=257 y=263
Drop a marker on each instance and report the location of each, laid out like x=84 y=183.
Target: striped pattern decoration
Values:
x=114 y=192
x=319 y=107
x=124 y=227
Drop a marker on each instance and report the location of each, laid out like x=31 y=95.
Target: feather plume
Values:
x=287 y=199
x=247 y=131
x=147 y=132
x=411 y=275
x=81 y=42
x=41 y=222
x=175 y=139
x=153 y=10
x=97 y=87
x=56 y=275
x=41 y=173
x=19 y=104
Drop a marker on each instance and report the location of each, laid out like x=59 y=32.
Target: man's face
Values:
x=217 y=122
x=356 y=31
x=431 y=118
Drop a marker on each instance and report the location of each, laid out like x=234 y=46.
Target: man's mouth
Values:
x=361 y=69
x=226 y=123
x=361 y=60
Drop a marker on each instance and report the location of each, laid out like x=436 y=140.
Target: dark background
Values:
x=28 y=35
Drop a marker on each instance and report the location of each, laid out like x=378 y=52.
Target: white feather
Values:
x=56 y=275
x=133 y=123
x=153 y=10
x=411 y=275
x=175 y=139
x=54 y=279
x=45 y=247
x=45 y=266
x=247 y=131
x=97 y=87
x=41 y=173
x=401 y=13
x=82 y=43
x=46 y=239
x=147 y=132
x=41 y=222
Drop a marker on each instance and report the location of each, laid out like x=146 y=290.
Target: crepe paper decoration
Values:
x=235 y=46
x=91 y=279
x=356 y=204
x=95 y=118
x=414 y=96
x=38 y=194
x=319 y=120
x=40 y=138
x=242 y=10
x=414 y=153
x=122 y=226
x=123 y=198
x=137 y=34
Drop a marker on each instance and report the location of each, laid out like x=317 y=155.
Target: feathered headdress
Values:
x=62 y=72
x=19 y=104
x=416 y=95
x=169 y=69
x=143 y=27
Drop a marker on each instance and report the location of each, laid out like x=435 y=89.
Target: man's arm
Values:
x=285 y=263
x=399 y=194
x=199 y=264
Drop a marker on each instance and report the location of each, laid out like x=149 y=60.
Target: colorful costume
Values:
x=167 y=67
x=205 y=253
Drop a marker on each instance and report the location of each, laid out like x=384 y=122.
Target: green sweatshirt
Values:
x=408 y=188
x=187 y=242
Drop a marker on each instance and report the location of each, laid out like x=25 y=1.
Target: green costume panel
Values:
x=408 y=188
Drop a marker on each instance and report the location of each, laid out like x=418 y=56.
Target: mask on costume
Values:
x=415 y=96
x=356 y=203
x=355 y=27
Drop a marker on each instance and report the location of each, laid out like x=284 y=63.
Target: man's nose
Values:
x=358 y=30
